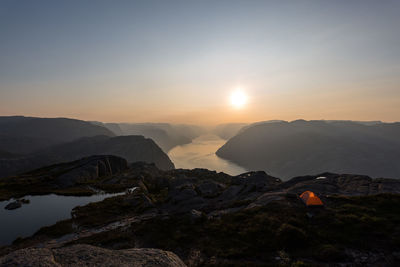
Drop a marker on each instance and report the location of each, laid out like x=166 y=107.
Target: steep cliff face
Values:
x=286 y=149
x=85 y=255
x=132 y=148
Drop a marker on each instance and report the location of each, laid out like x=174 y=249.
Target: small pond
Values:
x=41 y=211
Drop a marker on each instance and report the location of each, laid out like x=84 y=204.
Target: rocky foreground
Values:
x=85 y=255
x=214 y=219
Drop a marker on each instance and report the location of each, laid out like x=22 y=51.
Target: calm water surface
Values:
x=201 y=154
x=41 y=211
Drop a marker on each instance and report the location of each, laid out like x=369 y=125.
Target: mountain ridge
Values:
x=286 y=149
x=24 y=135
x=133 y=148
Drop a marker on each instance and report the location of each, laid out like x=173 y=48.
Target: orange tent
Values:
x=310 y=199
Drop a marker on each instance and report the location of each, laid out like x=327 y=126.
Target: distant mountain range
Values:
x=23 y=135
x=228 y=130
x=165 y=135
x=28 y=143
x=286 y=149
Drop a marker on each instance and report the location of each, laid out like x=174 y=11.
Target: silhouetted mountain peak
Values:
x=285 y=149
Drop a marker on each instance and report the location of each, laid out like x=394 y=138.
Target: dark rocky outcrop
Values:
x=16 y=204
x=301 y=147
x=13 y=205
x=85 y=255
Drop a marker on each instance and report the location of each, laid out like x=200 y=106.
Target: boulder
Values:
x=13 y=205
x=86 y=255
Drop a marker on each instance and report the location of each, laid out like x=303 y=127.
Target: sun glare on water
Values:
x=238 y=98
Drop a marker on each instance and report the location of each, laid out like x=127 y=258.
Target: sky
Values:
x=180 y=61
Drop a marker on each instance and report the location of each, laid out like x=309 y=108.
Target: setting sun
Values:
x=238 y=98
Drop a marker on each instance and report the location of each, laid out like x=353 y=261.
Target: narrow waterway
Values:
x=201 y=154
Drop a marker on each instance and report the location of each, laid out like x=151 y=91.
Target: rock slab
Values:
x=86 y=255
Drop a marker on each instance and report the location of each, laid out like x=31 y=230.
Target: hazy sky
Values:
x=179 y=61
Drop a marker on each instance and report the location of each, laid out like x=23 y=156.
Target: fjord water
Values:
x=201 y=154
x=41 y=211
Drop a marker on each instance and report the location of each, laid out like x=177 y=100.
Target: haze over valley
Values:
x=283 y=149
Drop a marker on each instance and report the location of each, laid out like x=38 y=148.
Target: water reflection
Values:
x=42 y=211
x=201 y=154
